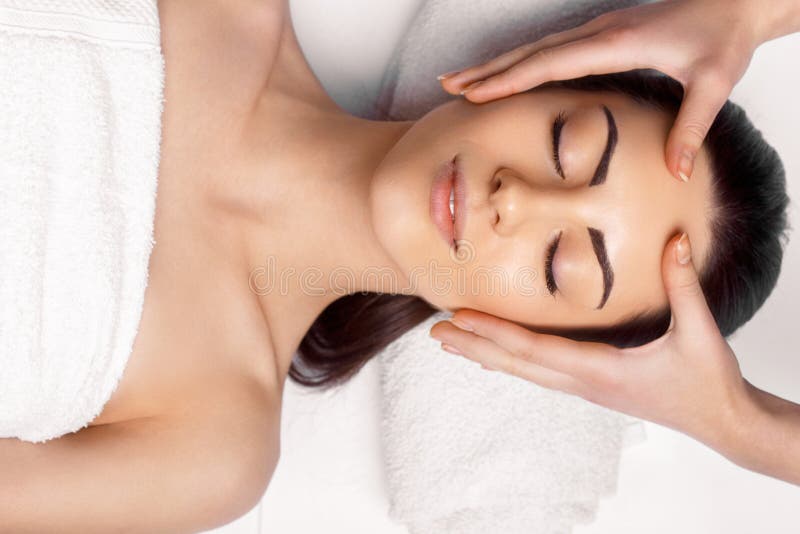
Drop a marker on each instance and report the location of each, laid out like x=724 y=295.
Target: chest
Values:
x=200 y=333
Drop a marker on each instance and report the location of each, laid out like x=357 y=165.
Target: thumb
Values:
x=686 y=300
x=701 y=104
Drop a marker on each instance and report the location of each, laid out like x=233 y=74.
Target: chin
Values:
x=391 y=215
x=400 y=215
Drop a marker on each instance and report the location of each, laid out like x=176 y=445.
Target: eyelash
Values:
x=558 y=123
x=548 y=266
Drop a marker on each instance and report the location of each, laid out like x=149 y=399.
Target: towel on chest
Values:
x=81 y=86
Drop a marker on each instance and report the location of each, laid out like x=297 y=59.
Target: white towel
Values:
x=468 y=450
x=81 y=85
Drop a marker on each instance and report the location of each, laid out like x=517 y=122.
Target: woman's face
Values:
x=516 y=205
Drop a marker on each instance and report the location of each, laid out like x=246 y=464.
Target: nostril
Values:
x=496 y=218
x=497 y=184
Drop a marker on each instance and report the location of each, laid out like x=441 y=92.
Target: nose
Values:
x=519 y=203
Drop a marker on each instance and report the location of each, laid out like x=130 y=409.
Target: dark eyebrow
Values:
x=611 y=143
x=599 y=244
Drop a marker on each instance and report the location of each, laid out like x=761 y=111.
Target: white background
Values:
x=329 y=478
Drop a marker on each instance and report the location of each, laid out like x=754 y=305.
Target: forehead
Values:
x=641 y=205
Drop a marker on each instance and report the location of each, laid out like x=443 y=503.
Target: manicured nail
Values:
x=462 y=325
x=686 y=165
x=471 y=87
x=451 y=349
x=684 y=251
x=447 y=75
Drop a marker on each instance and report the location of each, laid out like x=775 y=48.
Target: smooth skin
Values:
x=689 y=379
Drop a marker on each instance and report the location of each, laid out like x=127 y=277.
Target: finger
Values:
x=485 y=351
x=701 y=103
x=596 y=54
x=690 y=312
x=504 y=61
x=587 y=361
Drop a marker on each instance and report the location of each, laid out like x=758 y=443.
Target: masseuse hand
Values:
x=688 y=379
x=706 y=45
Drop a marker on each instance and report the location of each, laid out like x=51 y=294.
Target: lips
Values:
x=447 y=202
x=459 y=199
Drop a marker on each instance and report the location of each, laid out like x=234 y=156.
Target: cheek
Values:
x=507 y=285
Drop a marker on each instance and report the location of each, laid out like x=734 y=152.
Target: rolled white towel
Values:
x=473 y=451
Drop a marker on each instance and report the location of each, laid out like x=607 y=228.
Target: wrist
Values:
x=760 y=432
x=764 y=428
x=734 y=431
x=745 y=424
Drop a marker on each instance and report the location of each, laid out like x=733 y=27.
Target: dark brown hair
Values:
x=748 y=234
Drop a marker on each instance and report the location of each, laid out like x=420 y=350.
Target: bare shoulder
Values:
x=216 y=48
x=157 y=474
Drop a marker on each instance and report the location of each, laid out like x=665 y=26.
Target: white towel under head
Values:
x=81 y=86
x=473 y=451
x=469 y=451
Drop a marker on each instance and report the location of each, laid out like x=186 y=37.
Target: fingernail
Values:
x=686 y=165
x=447 y=75
x=451 y=349
x=434 y=336
x=462 y=325
x=471 y=87
x=684 y=250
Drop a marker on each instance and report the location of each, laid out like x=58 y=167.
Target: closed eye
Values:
x=558 y=124
x=548 y=265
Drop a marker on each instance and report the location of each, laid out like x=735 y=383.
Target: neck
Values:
x=303 y=197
